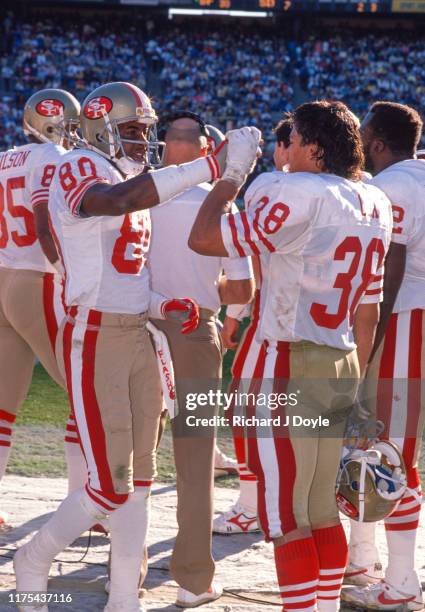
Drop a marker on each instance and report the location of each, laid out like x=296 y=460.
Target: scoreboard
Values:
x=278 y=6
x=266 y=7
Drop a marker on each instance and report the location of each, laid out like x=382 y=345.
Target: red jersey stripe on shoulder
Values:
x=83 y=190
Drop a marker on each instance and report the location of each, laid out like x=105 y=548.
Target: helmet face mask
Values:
x=124 y=152
x=371 y=482
x=52 y=116
x=63 y=133
x=110 y=114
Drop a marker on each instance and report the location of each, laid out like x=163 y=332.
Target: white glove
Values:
x=242 y=152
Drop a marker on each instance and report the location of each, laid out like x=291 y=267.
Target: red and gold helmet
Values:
x=104 y=110
x=371 y=482
x=52 y=115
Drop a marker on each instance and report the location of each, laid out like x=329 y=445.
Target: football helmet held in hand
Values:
x=371 y=482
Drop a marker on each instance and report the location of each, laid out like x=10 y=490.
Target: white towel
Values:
x=165 y=367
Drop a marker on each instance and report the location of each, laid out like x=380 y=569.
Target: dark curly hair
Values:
x=335 y=130
x=398 y=125
x=283 y=129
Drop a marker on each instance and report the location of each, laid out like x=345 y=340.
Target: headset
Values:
x=180 y=114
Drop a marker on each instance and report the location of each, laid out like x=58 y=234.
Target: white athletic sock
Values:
x=76 y=466
x=75 y=515
x=400 y=572
x=128 y=529
x=248 y=495
x=4 y=458
x=362 y=549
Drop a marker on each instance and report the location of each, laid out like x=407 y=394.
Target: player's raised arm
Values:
x=205 y=237
x=130 y=143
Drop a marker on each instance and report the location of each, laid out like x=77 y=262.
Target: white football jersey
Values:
x=404 y=184
x=25 y=176
x=190 y=275
x=104 y=257
x=322 y=241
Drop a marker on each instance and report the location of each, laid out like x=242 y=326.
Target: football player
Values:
x=196 y=357
x=322 y=236
x=31 y=306
x=242 y=516
x=102 y=231
x=391 y=133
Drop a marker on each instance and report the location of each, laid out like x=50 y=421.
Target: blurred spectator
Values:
x=359 y=70
x=231 y=76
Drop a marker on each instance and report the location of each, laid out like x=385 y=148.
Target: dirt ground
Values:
x=244 y=563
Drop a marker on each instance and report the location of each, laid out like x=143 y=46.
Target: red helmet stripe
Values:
x=135 y=93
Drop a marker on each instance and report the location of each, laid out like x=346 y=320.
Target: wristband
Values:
x=172 y=180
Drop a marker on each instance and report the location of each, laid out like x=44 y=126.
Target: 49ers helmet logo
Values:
x=49 y=108
x=96 y=106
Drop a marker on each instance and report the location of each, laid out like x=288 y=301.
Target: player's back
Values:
x=103 y=256
x=334 y=234
x=25 y=176
x=404 y=184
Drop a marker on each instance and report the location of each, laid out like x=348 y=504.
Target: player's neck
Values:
x=390 y=161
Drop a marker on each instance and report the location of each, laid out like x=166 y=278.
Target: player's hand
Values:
x=184 y=310
x=243 y=149
x=229 y=333
x=362 y=427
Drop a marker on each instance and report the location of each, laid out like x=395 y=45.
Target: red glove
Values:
x=174 y=308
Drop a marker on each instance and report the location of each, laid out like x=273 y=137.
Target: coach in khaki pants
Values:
x=196 y=356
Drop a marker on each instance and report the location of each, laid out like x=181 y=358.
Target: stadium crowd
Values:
x=230 y=77
x=360 y=70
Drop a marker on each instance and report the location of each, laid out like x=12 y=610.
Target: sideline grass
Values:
x=37 y=448
x=38 y=438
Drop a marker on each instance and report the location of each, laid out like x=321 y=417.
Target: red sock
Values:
x=406 y=517
x=297 y=568
x=332 y=551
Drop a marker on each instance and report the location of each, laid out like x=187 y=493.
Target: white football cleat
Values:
x=363 y=575
x=236 y=520
x=186 y=599
x=225 y=463
x=128 y=604
x=382 y=596
x=29 y=578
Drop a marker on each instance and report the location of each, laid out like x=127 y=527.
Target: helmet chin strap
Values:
x=128 y=166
